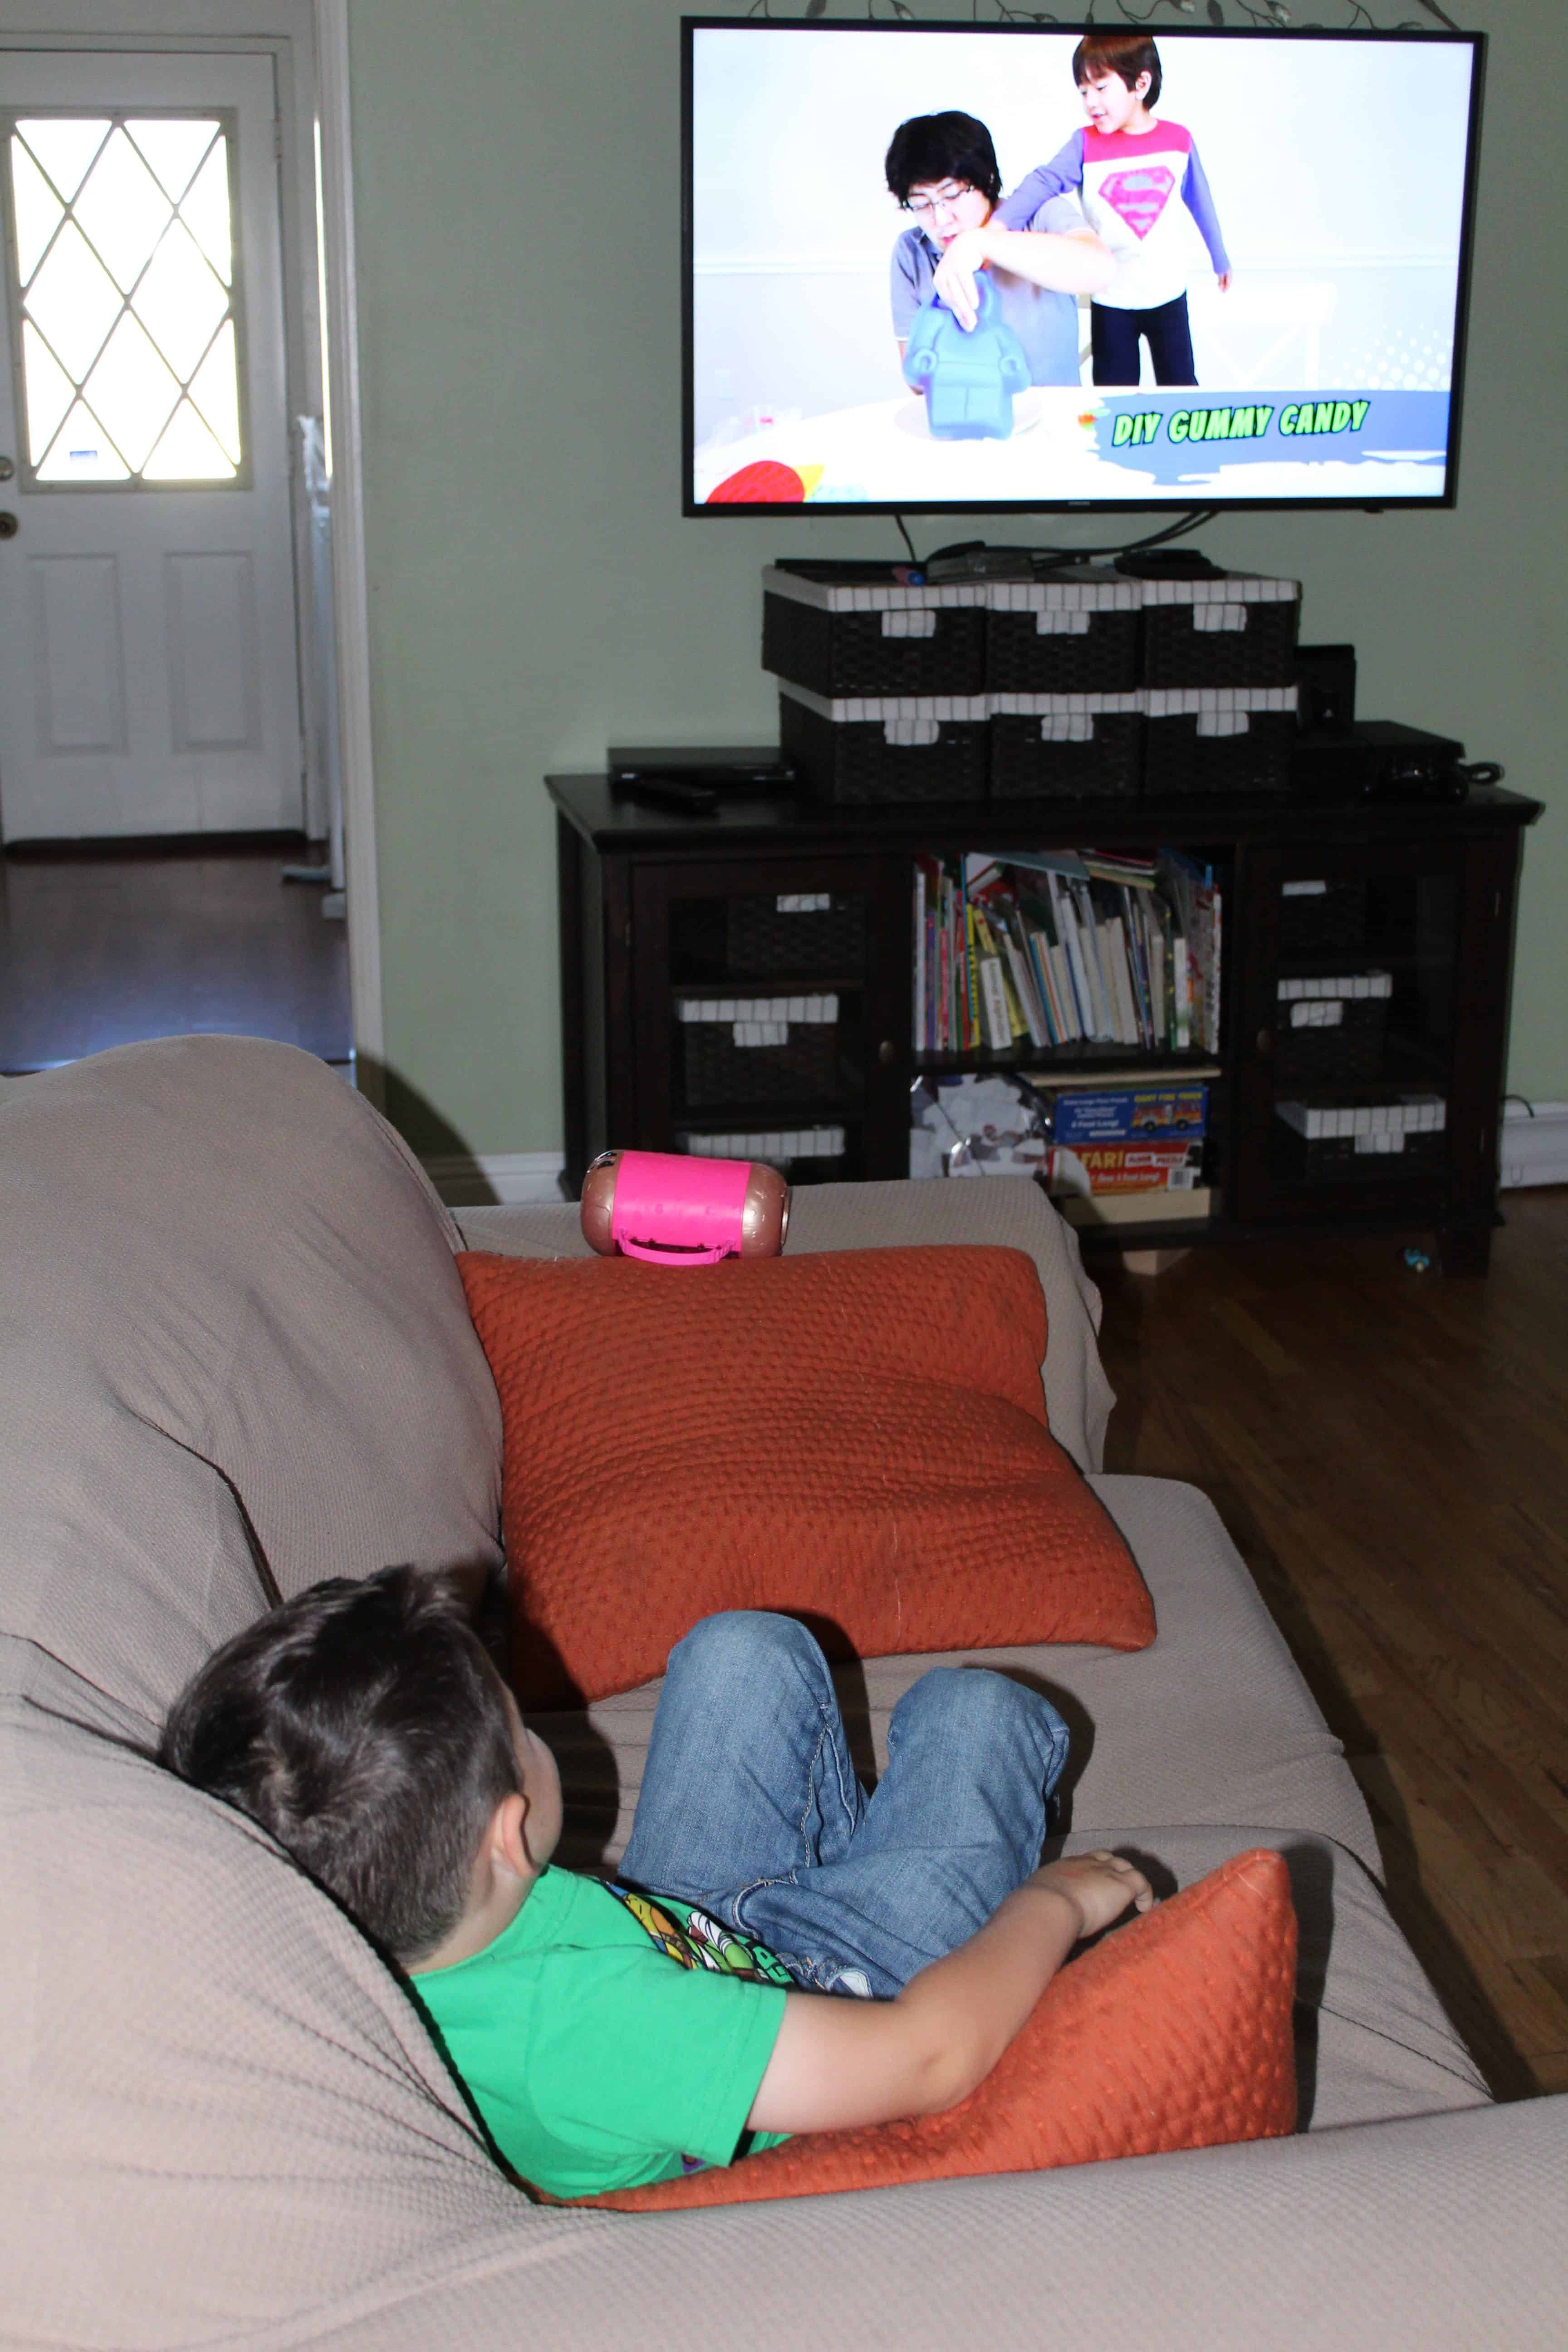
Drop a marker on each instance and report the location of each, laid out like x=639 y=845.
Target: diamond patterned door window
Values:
x=124 y=285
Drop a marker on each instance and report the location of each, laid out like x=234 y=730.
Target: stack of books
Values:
x=1066 y=948
x=1128 y=1154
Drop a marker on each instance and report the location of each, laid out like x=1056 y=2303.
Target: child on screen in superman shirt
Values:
x=1133 y=175
x=612 y=2034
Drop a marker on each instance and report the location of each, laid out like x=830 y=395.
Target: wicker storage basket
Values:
x=1202 y=741
x=1338 y=1051
x=1079 y=635
x=811 y=1155
x=1058 y=747
x=759 y=1049
x=1236 y=630
x=1344 y=1160
x=871 y=636
x=1321 y=919
x=820 y=932
x=880 y=751
x=1354 y=1143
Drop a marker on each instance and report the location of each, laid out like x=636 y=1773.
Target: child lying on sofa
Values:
x=614 y=2034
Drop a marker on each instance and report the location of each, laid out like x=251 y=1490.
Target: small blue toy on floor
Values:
x=968 y=376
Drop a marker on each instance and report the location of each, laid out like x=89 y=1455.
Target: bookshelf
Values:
x=670 y=954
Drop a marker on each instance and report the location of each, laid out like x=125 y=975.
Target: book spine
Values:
x=1113 y=956
x=1104 y=1027
x=998 y=1027
x=933 y=976
x=1154 y=945
x=1045 y=982
x=1066 y=924
x=1061 y=971
x=1184 y=993
x=1023 y=987
x=1138 y=950
x=917 y=1017
x=971 y=982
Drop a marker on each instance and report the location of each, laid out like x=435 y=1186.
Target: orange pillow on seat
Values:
x=856 y=1438
x=1172 y=2031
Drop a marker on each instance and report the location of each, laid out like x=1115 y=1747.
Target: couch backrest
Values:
x=235 y=1356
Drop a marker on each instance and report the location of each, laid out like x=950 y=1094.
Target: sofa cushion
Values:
x=997 y=1211
x=859 y=1441
x=1212 y=1723
x=235 y=1356
x=1172 y=2031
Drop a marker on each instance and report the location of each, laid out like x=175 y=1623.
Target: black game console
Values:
x=1378 y=760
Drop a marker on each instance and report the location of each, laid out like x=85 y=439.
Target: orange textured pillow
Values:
x=856 y=1438
x=1173 y=2031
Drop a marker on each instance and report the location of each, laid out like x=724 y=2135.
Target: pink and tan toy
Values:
x=673 y=1209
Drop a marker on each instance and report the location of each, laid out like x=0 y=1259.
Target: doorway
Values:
x=157 y=605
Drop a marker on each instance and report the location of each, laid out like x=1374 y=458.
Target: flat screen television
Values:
x=1297 y=205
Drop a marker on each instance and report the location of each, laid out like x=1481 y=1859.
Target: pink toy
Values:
x=673 y=1209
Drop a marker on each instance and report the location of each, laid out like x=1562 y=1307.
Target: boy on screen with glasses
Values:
x=942 y=169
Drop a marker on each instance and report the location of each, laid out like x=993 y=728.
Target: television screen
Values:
x=954 y=266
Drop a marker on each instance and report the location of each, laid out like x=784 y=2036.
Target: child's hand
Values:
x=954 y=278
x=1100 y=1885
x=1224 y=280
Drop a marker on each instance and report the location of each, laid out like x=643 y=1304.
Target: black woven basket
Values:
x=761 y=942
x=1024 y=766
x=1179 y=763
x=1020 y=659
x=1323 y=923
x=810 y=1168
x=1176 y=652
x=838 y=655
x=804 y=1068
x=851 y=764
x=1351 y=1050
x=1334 y=1160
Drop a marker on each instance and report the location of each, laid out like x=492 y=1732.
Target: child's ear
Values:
x=1144 y=84
x=509 y=1837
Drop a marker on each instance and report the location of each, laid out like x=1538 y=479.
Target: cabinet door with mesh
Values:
x=1354 y=1075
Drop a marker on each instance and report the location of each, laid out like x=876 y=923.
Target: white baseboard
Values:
x=1534 y=1151
x=466 y=1181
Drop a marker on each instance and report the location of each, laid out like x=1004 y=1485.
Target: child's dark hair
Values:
x=929 y=148
x=366 y=1730
x=1127 y=55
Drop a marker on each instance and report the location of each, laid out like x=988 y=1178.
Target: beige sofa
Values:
x=237 y=1359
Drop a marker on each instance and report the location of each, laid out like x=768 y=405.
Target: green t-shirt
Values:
x=608 y=2039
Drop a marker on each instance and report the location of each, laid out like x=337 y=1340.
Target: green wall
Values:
x=535 y=593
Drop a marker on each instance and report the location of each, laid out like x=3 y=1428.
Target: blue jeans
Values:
x=750 y=1808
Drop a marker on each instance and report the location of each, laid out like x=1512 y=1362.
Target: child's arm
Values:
x=1062 y=176
x=1195 y=196
x=838 y=2063
x=1075 y=262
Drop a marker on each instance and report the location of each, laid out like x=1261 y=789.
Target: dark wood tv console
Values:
x=644 y=895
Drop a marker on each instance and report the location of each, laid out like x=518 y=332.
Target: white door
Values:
x=148 y=663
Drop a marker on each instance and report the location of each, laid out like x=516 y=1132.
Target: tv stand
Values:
x=646 y=924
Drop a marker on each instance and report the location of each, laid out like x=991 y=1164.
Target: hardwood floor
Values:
x=1390 y=1451
x=102 y=943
